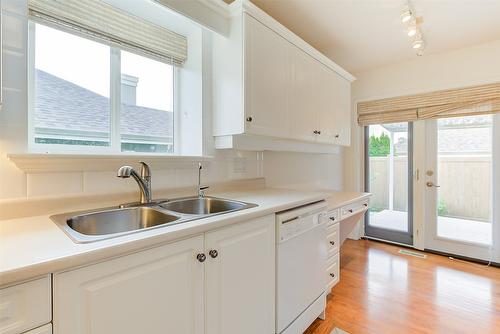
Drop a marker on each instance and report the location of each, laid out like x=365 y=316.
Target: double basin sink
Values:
x=102 y=224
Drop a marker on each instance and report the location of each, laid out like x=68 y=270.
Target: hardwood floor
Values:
x=381 y=291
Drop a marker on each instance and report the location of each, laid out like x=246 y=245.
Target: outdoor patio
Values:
x=448 y=227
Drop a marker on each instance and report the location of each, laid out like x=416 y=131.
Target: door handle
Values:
x=430 y=185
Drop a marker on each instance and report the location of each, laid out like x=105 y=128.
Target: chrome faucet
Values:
x=201 y=189
x=144 y=180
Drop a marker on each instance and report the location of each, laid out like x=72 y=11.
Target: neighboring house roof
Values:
x=458 y=139
x=62 y=105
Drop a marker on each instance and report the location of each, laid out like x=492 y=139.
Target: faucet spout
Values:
x=143 y=181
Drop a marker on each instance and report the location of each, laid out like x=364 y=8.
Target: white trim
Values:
x=39 y=163
x=419 y=185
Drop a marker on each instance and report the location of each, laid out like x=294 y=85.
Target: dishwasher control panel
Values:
x=297 y=221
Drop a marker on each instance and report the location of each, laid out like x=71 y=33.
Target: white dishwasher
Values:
x=300 y=262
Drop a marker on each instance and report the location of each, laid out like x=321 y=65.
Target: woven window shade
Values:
x=477 y=100
x=102 y=22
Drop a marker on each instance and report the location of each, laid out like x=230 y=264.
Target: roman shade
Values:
x=100 y=21
x=476 y=100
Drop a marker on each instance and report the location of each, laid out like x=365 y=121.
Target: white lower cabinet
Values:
x=183 y=287
x=240 y=281
x=25 y=306
x=154 y=291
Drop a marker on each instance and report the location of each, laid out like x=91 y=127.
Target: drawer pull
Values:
x=365 y=204
x=332 y=243
x=350 y=211
x=332 y=274
x=332 y=219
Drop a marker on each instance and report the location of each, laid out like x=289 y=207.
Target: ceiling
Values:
x=364 y=34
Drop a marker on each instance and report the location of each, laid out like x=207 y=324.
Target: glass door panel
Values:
x=459 y=191
x=388 y=170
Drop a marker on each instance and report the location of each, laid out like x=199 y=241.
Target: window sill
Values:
x=39 y=163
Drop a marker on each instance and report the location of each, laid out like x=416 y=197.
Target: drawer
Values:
x=47 y=329
x=333 y=241
x=333 y=272
x=353 y=208
x=333 y=217
x=25 y=306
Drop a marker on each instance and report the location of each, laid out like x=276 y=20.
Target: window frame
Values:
x=114 y=147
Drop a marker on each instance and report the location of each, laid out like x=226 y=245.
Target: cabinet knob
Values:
x=332 y=274
x=365 y=204
x=213 y=253
x=332 y=243
x=201 y=257
x=315 y=132
x=350 y=210
x=332 y=219
x=249 y=119
x=319 y=132
x=337 y=136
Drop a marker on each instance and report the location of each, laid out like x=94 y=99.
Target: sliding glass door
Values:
x=388 y=176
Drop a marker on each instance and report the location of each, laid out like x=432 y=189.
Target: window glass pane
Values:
x=388 y=176
x=147 y=122
x=71 y=89
x=465 y=178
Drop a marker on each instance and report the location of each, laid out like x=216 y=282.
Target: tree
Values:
x=380 y=146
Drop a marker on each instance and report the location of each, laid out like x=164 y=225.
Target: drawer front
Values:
x=47 y=329
x=333 y=217
x=333 y=240
x=333 y=272
x=25 y=306
x=353 y=208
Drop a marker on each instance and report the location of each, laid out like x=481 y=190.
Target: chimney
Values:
x=129 y=88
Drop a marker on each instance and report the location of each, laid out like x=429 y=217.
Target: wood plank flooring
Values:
x=383 y=292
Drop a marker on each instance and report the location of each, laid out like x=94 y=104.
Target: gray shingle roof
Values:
x=60 y=104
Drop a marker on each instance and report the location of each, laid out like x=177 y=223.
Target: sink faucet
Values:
x=144 y=180
x=201 y=189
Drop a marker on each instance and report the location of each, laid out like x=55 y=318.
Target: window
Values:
x=91 y=97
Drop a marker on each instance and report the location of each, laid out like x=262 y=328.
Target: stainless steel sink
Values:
x=118 y=221
x=204 y=205
x=88 y=226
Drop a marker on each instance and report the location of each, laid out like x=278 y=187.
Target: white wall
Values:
x=281 y=169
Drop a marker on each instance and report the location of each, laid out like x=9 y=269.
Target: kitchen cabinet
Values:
x=266 y=76
x=25 y=306
x=154 y=291
x=270 y=83
x=240 y=280
x=176 y=288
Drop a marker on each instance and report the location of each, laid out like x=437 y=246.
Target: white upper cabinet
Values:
x=266 y=77
x=269 y=83
x=303 y=100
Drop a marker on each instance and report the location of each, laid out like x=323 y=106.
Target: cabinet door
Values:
x=266 y=80
x=240 y=280
x=303 y=100
x=325 y=87
x=342 y=107
x=154 y=291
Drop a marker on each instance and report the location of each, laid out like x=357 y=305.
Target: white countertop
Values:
x=35 y=246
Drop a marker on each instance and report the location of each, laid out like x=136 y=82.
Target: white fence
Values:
x=465 y=182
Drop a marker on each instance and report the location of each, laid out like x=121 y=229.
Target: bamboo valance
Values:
x=100 y=21
x=476 y=100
